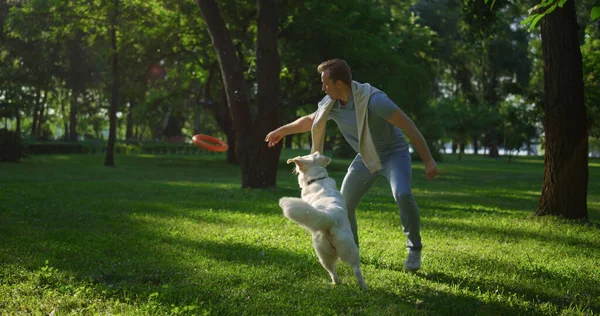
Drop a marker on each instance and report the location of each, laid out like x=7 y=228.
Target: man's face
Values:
x=332 y=89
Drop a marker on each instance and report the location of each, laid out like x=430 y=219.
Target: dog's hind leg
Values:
x=348 y=252
x=330 y=267
x=327 y=255
x=359 y=277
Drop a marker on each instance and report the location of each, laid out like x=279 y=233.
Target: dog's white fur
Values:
x=322 y=211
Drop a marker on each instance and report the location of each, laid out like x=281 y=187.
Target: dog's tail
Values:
x=304 y=214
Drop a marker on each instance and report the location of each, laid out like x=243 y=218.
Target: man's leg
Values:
x=398 y=171
x=357 y=182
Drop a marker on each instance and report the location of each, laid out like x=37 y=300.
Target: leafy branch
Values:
x=537 y=13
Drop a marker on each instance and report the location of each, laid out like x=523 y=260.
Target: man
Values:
x=372 y=124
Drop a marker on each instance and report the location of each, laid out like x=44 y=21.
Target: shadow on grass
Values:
x=526 y=288
x=513 y=234
x=379 y=199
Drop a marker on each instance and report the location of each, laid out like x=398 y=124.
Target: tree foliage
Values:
x=453 y=65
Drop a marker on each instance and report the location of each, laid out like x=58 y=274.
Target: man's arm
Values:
x=300 y=125
x=403 y=122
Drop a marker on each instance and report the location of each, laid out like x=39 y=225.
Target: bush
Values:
x=46 y=148
x=11 y=147
x=121 y=148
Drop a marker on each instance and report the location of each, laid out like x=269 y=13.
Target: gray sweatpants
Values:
x=398 y=172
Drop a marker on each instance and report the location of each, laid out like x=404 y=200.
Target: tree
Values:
x=270 y=111
x=114 y=100
x=258 y=164
x=518 y=125
x=564 y=190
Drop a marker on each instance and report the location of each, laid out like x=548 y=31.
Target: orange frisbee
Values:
x=209 y=143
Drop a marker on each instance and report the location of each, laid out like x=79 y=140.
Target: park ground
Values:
x=176 y=235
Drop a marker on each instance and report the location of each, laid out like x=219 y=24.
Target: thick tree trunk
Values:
x=270 y=111
x=232 y=73
x=564 y=191
x=112 y=133
x=246 y=146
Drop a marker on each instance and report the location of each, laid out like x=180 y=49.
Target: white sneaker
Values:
x=413 y=261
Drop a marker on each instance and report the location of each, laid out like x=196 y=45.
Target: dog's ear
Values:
x=299 y=161
x=321 y=160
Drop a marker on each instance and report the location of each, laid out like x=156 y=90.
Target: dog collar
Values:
x=313 y=180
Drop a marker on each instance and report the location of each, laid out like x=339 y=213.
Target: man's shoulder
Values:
x=365 y=87
x=326 y=99
x=378 y=95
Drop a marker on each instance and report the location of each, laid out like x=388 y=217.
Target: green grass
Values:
x=174 y=235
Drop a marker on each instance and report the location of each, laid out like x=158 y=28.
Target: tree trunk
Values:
x=205 y=100
x=246 y=147
x=221 y=113
x=34 y=125
x=114 y=100
x=73 y=116
x=231 y=157
x=493 y=143
x=475 y=144
x=288 y=141
x=196 y=123
x=223 y=117
x=129 y=127
x=270 y=108
x=40 y=127
x=65 y=121
x=564 y=191
x=174 y=126
x=18 y=118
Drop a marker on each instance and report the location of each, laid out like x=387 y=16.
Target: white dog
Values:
x=322 y=211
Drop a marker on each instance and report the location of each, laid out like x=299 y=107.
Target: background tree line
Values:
x=131 y=70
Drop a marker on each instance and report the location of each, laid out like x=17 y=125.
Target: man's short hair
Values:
x=338 y=70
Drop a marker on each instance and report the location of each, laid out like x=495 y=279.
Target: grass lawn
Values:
x=169 y=235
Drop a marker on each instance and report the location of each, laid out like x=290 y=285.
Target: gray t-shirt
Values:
x=386 y=137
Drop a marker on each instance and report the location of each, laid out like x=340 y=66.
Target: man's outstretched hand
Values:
x=274 y=137
x=431 y=170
